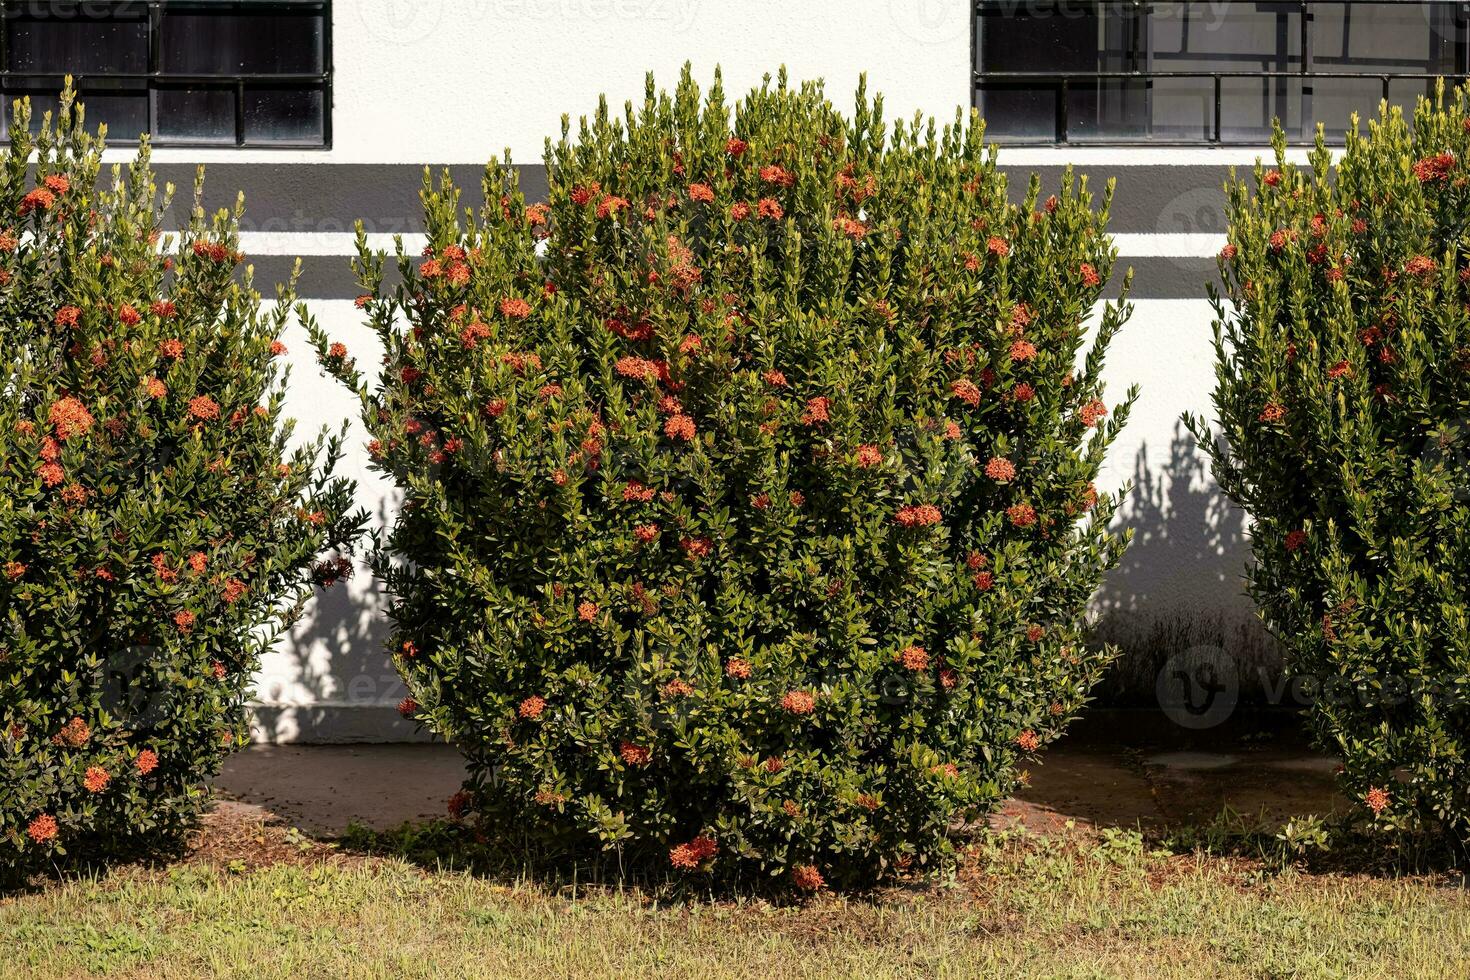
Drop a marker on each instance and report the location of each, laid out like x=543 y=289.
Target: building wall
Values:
x=448 y=82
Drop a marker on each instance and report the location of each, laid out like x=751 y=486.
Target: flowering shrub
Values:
x=749 y=518
x=1343 y=384
x=155 y=533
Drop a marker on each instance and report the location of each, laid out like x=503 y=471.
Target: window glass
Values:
x=288 y=115
x=1059 y=37
x=122 y=106
x=196 y=114
x=224 y=72
x=116 y=43
x=200 y=41
x=1204 y=71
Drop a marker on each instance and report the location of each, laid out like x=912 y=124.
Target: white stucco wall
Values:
x=453 y=81
x=331 y=679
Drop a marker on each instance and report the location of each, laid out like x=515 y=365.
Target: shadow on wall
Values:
x=330 y=679
x=1178 y=598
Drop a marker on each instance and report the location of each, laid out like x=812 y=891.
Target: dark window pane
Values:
x=1225 y=37
x=1054 y=37
x=1247 y=106
x=1405 y=92
x=122 y=106
x=1108 y=108
x=1383 y=37
x=280 y=115
x=1019 y=110
x=196 y=115
x=1062 y=37
x=1183 y=108
x=90 y=41
x=200 y=43
x=1334 y=100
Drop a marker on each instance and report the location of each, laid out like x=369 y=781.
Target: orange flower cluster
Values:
x=1000 y=469
x=634 y=754
x=799 y=702
x=914 y=658
x=691 y=855
x=69 y=418
x=923 y=515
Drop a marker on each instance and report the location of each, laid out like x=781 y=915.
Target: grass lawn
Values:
x=264 y=902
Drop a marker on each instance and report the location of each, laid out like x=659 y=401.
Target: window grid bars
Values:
x=1141 y=46
x=156 y=77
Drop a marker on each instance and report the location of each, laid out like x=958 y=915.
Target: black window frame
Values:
x=14 y=84
x=1141 y=54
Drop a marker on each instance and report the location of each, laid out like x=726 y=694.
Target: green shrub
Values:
x=748 y=516
x=155 y=533
x=1343 y=385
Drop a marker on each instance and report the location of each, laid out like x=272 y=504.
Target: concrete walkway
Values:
x=1154 y=780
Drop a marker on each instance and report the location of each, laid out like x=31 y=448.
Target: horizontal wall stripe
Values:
x=1169 y=245
x=345 y=244
x=1099 y=155
x=342 y=244
x=326 y=198
x=329 y=277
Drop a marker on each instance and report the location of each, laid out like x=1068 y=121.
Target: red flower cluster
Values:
x=799 y=702
x=691 y=855
x=43 y=829
x=1092 y=413
x=532 y=707
x=634 y=754
x=1022 y=515
x=1022 y=350
x=69 y=418
x=807 y=878
x=204 y=408
x=922 y=515
x=75 y=733
x=1000 y=469
x=914 y=658
x=1435 y=168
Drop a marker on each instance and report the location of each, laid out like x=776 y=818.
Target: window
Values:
x=1205 y=72
x=191 y=72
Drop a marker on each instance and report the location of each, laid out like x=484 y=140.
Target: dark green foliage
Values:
x=1343 y=393
x=748 y=516
x=155 y=532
